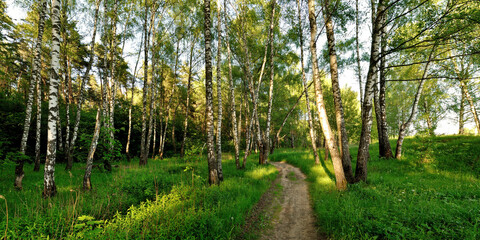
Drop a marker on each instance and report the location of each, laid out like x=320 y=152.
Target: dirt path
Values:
x=295 y=219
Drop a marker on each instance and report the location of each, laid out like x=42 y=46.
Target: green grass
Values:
x=433 y=192
x=167 y=199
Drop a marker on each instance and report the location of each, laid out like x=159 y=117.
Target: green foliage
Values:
x=169 y=199
x=432 y=193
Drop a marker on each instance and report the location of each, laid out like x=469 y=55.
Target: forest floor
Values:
x=290 y=211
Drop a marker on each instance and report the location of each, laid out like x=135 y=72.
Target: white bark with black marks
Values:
x=49 y=188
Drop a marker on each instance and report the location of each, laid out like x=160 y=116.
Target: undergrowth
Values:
x=433 y=192
x=168 y=199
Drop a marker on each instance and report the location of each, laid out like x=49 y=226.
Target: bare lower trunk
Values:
x=337 y=98
x=461 y=115
x=266 y=147
x=383 y=130
x=49 y=188
x=219 y=95
x=357 y=48
x=213 y=177
x=187 y=106
x=87 y=185
x=143 y=147
x=235 y=127
x=38 y=126
x=113 y=77
x=305 y=89
x=59 y=130
x=341 y=182
x=365 y=135
x=151 y=84
x=134 y=77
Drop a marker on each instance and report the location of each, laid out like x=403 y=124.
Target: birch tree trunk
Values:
x=104 y=87
x=365 y=135
x=337 y=98
x=219 y=94
x=49 y=188
x=383 y=130
x=187 y=106
x=461 y=115
x=38 y=130
x=143 y=148
x=341 y=182
x=307 y=99
x=266 y=147
x=87 y=185
x=35 y=80
x=404 y=127
x=113 y=78
x=213 y=177
x=152 y=92
x=235 y=130
x=85 y=78
x=127 y=147
x=357 y=45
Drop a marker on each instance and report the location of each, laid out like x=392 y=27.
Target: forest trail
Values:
x=295 y=218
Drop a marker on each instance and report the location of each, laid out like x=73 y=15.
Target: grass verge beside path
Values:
x=168 y=199
x=433 y=192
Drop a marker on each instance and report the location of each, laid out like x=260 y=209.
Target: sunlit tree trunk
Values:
x=87 y=185
x=219 y=94
x=143 y=147
x=307 y=99
x=113 y=77
x=235 y=130
x=365 y=135
x=104 y=87
x=357 y=48
x=38 y=129
x=213 y=177
x=337 y=98
x=49 y=188
x=461 y=121
x=266 y=147
x=341 y=182
x=84 y=82
x=187 y=105
x=134 y=77
x=151 y=84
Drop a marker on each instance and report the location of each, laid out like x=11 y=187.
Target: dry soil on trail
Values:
x=295 y=220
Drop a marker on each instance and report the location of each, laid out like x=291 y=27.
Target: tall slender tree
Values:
x=49 y=188
x=337 y=98
x=305 y=89
x=266 y=149
x=35 y=80
x=213 y=177
x=341 y=182
x=219 y=93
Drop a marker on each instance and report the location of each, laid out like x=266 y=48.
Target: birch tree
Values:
x=219 y=94
x=341 y=182
x=49 y=188
x=34 y=81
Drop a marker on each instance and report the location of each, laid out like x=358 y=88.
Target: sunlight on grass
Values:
x=322 y=177
x=260 y=173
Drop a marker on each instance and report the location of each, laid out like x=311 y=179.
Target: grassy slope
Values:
x=432 y=193
x=175 y=208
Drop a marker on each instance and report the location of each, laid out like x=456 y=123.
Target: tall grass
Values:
x=433 y=192
x=168 y=198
